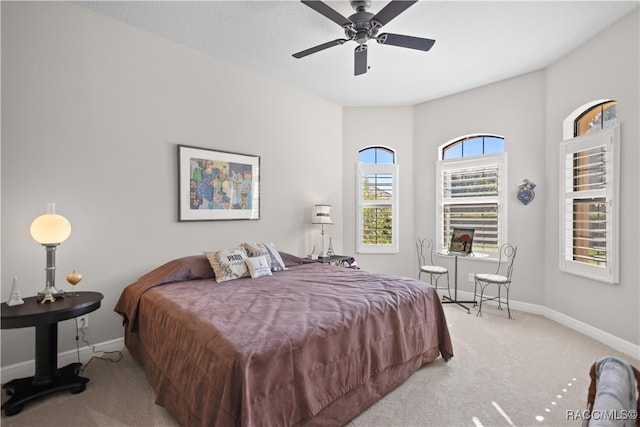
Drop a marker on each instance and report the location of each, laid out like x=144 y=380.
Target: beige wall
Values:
x=528 y=111
x=390 y=127
x=608 y=66
x=92 y=110
x=514 y=109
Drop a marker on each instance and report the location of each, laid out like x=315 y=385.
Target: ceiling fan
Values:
x=363 y=26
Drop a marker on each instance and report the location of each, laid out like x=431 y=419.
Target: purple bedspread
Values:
x=311 y=344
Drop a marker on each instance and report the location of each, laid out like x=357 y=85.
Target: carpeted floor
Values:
x=530 y=371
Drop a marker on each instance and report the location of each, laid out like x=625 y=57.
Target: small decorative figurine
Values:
x=15 y=298
x=330 y=250
x=313 y=254
x=48 y=296
x=525 y=192
x=73 y=279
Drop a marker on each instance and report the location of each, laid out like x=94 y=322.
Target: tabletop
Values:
x=33 y=312
x=460 y=254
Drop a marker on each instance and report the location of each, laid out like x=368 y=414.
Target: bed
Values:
x=312 y=344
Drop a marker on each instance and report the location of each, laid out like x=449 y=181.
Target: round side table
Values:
x=45 y=317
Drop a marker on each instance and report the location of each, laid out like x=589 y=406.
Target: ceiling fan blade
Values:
x=390 y=11
x=323 y=46
x=360 y=59
x=325 y=10
x=405 y=41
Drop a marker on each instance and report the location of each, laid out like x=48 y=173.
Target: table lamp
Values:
x=50 y=230
x=322 y=217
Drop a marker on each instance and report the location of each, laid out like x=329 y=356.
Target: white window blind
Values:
x=472 y=196
x=589 y=176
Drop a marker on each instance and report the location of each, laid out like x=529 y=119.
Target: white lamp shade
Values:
x=50 y=229
x=321 y=215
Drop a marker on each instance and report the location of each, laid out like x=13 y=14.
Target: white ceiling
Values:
x=477 y=42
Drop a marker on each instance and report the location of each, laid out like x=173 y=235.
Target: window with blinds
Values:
x=588 y=215
x=590 y=205
x=377 y=221
x=472 y=196
x=377 y=194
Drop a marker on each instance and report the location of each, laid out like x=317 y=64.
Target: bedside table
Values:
x=45 y=317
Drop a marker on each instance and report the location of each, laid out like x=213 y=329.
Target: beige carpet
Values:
x=529 y=371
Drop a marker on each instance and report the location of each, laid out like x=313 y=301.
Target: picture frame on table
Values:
x=217 y=185
x=461 y=240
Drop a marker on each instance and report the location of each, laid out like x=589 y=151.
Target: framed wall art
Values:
x=217 y=185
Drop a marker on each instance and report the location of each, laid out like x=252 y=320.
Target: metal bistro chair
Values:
x=434 y=271
x=502 y=277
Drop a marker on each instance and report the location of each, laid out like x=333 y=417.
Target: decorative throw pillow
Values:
x=258 y=266
x=228 y=264
x=270 y=253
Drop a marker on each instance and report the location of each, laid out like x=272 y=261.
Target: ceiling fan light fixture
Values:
x=361 y=37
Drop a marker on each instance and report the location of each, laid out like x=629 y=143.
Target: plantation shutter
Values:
x=471 y=201
x=588 y=218
x=590 y=205
x=471 y=198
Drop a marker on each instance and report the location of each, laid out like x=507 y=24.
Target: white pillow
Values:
x=270 y=253
x=228 y=264
x=258 y=266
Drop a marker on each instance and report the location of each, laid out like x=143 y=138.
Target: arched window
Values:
x=598 y=117
x=377 y=156
x=474 y=145
x=471 y=178
x=590 y=185
x=377 y=200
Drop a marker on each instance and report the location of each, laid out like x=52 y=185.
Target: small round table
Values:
x=45 y=317
x=455 y=255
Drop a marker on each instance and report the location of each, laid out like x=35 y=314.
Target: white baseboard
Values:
x=612 y=341
x=26 y=369
x=618 y=344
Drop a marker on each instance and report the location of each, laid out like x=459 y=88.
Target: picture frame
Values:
x=217 y=185
x=461 y=241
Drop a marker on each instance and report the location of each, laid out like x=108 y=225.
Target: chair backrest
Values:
x=424 y=248
x=505 y=261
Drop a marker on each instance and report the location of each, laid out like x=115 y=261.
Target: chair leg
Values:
x=483 y=285
x=434 y=282
x=475 y=292
x=437 y=281
x=448 y=286
x=479 y=313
